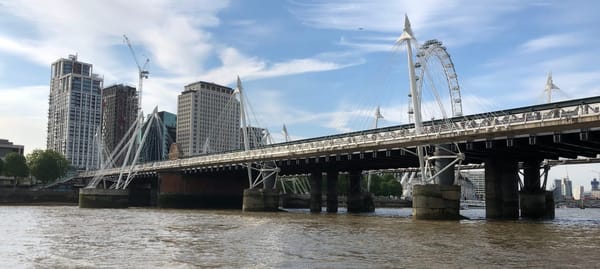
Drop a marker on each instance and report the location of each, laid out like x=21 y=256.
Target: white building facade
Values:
x=74 y=112
x=208 y=119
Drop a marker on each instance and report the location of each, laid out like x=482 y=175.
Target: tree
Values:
x=47 y=165
x=15 y=166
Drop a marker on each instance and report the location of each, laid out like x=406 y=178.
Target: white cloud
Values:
x=552 y=42
x=23 y=116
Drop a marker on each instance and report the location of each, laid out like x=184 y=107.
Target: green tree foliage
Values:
x=385 y=185
x=1 y=166
x=15 y=165
x=47 y=165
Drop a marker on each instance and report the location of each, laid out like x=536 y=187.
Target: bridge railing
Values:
x=398 y=136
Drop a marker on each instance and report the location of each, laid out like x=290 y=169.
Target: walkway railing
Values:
x=555 y=118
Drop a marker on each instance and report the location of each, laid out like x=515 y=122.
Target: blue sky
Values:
x=320 y=67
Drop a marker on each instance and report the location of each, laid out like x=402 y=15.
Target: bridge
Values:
x=507 y=141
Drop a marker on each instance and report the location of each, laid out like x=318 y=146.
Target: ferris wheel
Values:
x=435 y=75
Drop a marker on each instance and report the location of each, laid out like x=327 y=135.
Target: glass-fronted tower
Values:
x=208 y=119
x=74 y=111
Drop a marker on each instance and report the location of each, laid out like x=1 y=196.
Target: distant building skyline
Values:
x=7 y=147
x=208 y=119
x=74 y=111
x=162 y=134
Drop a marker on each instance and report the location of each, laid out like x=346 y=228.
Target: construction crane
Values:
x=143 y=73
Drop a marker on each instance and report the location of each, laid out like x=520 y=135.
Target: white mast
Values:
x=286 y=135
x=377 y=117
x=549 y=87
x=408 y=36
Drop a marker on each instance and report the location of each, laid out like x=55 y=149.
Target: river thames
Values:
x=70 y=237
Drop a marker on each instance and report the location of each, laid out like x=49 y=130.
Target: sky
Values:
x=319 y=67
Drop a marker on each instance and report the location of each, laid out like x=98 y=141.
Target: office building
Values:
x=161 y=135
x=208 y=119
x=558 y=190
x=119 y=113
x=7 y=147
x=74 y=109
x=256 y=137
x=477 y=177
x=568 y=191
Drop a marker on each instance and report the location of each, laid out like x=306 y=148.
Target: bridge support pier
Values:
x=210 y=190
x=436 y=201
x=262 y=200
x=103 y=198
x=332 y=192
x=316 y=194
x=534 y=201
x=358 y=201
x=501 y=189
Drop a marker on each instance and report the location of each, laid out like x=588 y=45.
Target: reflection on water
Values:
x=50 y=237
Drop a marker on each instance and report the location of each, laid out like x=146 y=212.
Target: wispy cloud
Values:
x=552 y=42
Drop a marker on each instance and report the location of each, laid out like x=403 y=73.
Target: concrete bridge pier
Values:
x=263 y=199
x=534 y=201
x=436 y=202
x=316 y=194
x=103 y=198
x=501 y=188
x=358 y=201
x=442 y=200
x=332 y=192
x=201 y=190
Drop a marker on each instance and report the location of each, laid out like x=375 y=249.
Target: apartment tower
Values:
x=119 y=113
x=74 y=112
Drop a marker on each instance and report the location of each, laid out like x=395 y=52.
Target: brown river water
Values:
x=70 y=237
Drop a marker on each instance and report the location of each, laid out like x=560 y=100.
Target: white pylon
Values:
x=377 y=117
x=549 y=87
x=286 y=135
x=407 y=37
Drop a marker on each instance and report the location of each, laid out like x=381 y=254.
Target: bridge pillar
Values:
x=436 y=201
x=501 y=189
x=358 y=201
x=533 y=200
x=316 y=194
x=445 y=178
x=103 y=198
x=208 y=190
x=332 y=192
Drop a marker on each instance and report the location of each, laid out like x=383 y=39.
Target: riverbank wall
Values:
x=45 y=197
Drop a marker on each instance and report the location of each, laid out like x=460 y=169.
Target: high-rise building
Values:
x=477 y=177
x=595 y=184
x=256 y=137
x=74 y=112
x=558 y=190
x=208 y=119
x=568 y=185
x=161 y=135
x=119 y=113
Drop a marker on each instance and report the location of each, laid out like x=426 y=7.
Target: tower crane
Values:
x=143 y=73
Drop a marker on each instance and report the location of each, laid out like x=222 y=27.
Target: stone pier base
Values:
x=360 y=202
x=103 y=198
x=260 y=200
x=295 y=200
x=537 y=205
x=436 y=202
